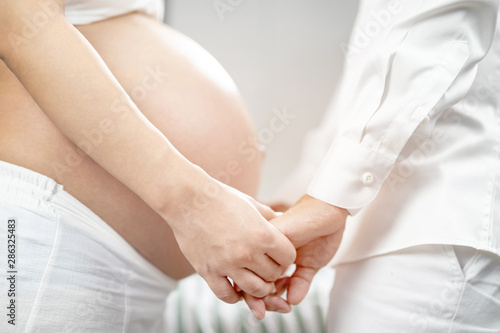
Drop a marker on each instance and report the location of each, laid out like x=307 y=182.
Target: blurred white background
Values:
x=281 y=54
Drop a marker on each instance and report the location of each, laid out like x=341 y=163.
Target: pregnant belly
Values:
x=181 y=89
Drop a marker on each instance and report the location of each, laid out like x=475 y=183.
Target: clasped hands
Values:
x=227 y=235
x=315 y=228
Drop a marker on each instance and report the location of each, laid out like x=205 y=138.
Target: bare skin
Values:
x=315 y=229
x=188 y=97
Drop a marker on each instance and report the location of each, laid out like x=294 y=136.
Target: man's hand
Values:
x=315 y=228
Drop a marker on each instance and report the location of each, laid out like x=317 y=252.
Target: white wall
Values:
x=282 y=54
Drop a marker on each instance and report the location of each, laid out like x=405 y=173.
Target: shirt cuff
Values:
x=350 y=175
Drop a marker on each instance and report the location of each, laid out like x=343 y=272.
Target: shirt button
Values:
x=426 y=120
x=367 y=178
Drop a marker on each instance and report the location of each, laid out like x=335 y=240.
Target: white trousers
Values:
x=69 y=270
x=422 y=289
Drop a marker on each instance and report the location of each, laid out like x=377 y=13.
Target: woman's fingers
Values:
x=264 y=210
x=272 y=302
x=268 y=269
x=256 y=305
x=276 y=304
x=259 y=306
x=223 y=289
x=280 y=249
x=252 y=284
x=281 y=285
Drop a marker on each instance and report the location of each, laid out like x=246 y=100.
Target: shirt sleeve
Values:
x=424 y=63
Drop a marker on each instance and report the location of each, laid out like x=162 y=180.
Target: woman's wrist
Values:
x=185 y=189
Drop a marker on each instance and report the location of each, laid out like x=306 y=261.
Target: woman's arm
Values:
x=219 y=230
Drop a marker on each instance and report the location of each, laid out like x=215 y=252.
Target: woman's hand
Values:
x=225 y=234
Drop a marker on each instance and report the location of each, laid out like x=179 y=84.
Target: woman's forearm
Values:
x=73 y=86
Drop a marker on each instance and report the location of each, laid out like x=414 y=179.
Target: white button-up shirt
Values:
x=411 y=142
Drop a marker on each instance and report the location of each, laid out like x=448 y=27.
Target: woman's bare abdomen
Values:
x=181 y=89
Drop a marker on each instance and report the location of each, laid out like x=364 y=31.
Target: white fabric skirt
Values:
x=65 y=270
